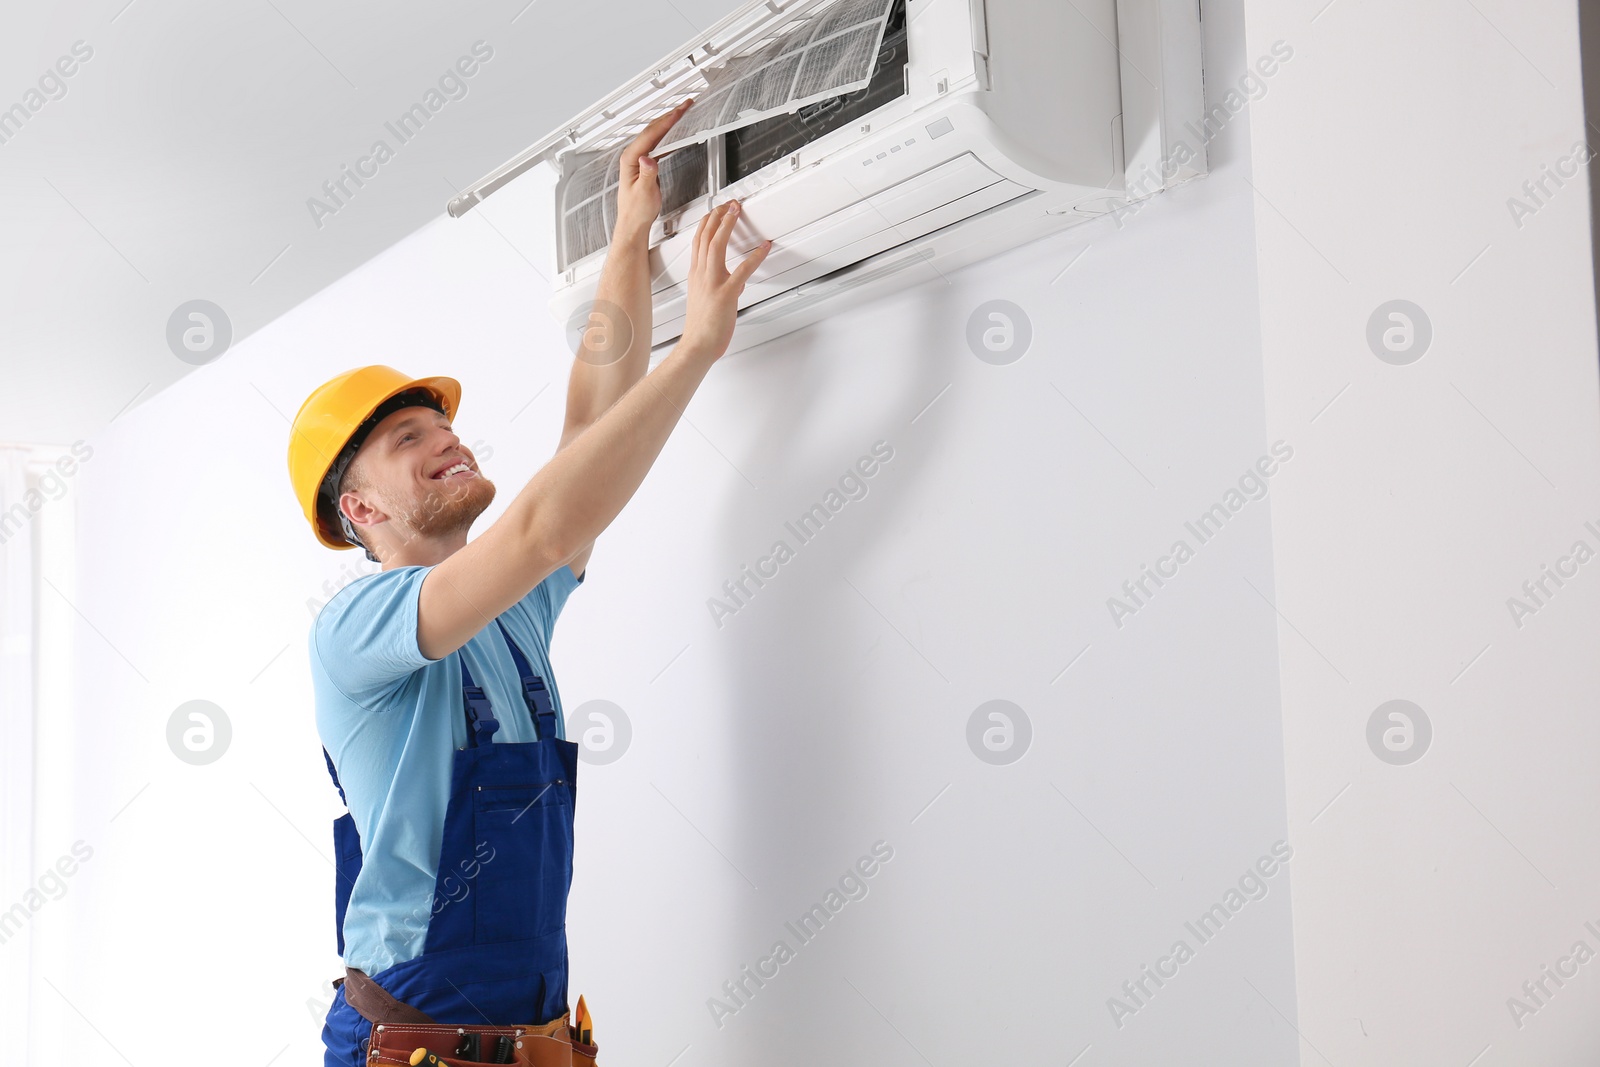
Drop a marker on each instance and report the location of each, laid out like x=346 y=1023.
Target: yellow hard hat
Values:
x=331 y=417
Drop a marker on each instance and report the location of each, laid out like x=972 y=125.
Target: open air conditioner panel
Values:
x=753 y=146
x=825 y=55
x=826 y=45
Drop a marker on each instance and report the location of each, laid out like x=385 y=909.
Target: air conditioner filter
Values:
x=829 y=54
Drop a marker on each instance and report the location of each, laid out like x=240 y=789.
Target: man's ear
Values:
x=359 y=512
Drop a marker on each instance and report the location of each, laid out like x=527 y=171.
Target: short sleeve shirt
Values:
x=391 y=720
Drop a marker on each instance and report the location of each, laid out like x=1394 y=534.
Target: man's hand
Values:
x=713 y=300
x=638 y=195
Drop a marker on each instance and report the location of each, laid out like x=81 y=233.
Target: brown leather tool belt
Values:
x=398 y=1030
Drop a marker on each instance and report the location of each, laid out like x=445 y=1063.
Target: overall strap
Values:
x=533 y=690
x=481 y=723
x=335 y=776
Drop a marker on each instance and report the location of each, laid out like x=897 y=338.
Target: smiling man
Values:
x=435 y=701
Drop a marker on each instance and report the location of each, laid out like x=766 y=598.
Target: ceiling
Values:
x=177 y=161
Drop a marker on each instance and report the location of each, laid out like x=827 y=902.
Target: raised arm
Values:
x=578 y=493
x=614 y=350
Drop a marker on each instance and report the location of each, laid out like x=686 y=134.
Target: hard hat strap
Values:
x=350 y=535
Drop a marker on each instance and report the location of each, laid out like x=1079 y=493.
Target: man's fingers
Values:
x=651 y=135
x=700 y=233
x=708 y=229
x=724 y=229
x=747 y=266
x=696 y=252
x=659 y=125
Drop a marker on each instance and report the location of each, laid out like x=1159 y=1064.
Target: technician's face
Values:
x=428 y=481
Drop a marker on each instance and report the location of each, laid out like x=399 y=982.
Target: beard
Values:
x=450 y=508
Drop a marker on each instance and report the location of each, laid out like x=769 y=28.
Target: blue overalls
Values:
x=496 y=947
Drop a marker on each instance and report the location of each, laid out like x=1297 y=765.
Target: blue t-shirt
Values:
x=392 y=719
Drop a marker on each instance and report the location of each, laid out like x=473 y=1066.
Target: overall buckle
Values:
x=537 y=695
x=480 y=715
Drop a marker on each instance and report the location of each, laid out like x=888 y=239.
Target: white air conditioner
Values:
x=877 y=143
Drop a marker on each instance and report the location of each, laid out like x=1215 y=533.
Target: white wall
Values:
x=772 y=752
x=1422 y=498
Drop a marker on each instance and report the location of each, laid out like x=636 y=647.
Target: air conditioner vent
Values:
x=810 y=293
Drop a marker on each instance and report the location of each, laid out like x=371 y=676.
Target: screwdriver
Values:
x=425 y=1056
x=585 y=1023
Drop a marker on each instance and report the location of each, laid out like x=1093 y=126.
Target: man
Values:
x=435 y=701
